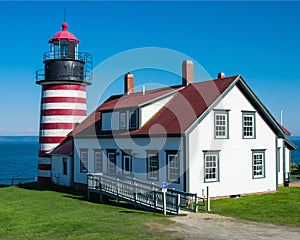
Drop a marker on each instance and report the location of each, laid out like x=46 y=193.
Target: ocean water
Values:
x=296 y=153
x=18 y=159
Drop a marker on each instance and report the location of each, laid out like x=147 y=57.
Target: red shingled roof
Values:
x=177 y=116
x=185 y=107
x=136 y=99
x=93 y=122
x=64 y=148
x=286 y=132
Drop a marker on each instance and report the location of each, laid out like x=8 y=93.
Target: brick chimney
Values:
x=221 y=75
x=128 y=83
x=187 y=72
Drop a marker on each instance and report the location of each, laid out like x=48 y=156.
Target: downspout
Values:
x=277 y=161
x=283 y=168
x=72 y=161
x=186 y=162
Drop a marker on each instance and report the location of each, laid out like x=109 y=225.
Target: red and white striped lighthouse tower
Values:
x=64 y=78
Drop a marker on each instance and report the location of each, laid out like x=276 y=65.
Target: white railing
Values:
x=142 y=194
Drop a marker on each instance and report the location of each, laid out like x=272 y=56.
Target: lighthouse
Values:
x=66 y=74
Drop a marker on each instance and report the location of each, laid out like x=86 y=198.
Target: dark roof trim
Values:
x=212 y=106
x=289 y=144
x=175 y=90
x=128 y=136
x=265 y=114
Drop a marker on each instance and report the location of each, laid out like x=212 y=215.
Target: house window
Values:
x=173 y=166
x=211 y=166
x=83 y=160
x=111 y=165
x=258 y=163
x=152 y=166
x=133 y=120
x=221 y=124
x=127 y=163
x=65 y=166
x=123 y=120
x=98 y=161
x=248 y=125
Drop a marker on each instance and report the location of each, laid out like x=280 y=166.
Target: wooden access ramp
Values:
x=141 y=194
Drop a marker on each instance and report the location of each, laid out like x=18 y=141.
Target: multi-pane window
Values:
x=221 y=124
x=65 y=166
x=111 y=165
x=152 y=166
x=133 y=120
x=211 y=166
x=123 y=120
x=249 y=125
x=98 y=161
x=83 y=160
x=127 y=163
x=258 y=164
x=173 y=166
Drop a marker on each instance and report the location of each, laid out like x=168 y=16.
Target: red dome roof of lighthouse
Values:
x=64 y=34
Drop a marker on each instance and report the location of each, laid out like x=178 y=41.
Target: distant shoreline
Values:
x=19 y=139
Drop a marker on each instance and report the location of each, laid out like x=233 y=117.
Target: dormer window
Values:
x=123 y=120
x=133 y=120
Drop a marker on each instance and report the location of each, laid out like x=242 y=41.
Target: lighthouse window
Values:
x=64 y=50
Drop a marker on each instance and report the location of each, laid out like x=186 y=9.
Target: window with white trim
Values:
x=152 y=166
x=123 y=120
x=211 y=166
x=248 y=125
x=173 y=166
x=98 y=161
x=127 y=163
x=221 y=124
x=133 y=118
x=83 y=160
x=111 y=164
x=258 y=163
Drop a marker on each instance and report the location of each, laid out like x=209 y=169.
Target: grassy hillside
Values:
x=43 y=214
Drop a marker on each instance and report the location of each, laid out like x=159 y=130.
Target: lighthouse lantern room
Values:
x=64 y=78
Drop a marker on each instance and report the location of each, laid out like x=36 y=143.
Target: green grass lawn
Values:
x=282 y=207
x=50 y=214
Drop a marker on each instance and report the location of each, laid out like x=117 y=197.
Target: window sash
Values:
x=211 y=166
x=133 y=120
x=221 y=125
x=83 y=161
x=248 y=126
x=173 y=167
x=111 y=162
x=258 y=163
x=98 y=161
x=127 y=163
x=123 y=120
x=152 y=166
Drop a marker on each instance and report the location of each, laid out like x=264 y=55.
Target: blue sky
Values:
x=259 y=40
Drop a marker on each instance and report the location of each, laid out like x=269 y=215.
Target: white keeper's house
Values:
x=214 y=133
